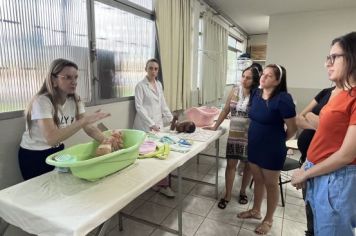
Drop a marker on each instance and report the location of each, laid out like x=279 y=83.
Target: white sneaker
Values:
x=167 y=191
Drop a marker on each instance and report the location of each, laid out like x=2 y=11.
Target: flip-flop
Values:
x=243 y=199
x=222 y=203
x=250 y=214
x=263 y=228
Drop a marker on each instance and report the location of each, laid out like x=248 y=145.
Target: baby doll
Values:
x=111 y=144
x=184 y=126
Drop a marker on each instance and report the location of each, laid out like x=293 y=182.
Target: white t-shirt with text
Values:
x=42 y=108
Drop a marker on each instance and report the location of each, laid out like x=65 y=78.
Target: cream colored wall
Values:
x=122 y=116
x=300 y=42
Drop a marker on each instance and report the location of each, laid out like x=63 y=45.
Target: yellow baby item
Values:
x=161 y=152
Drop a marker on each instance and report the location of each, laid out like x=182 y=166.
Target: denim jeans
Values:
x=332 y=198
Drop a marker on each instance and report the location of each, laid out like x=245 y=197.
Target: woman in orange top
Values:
x=330 y=169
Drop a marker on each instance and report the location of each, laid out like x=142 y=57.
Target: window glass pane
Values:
x=234 y=70
x=231 y=42
x=143 y=3
x=240 y=46
x=124 y=43
x=33 y=33
x=231 y=67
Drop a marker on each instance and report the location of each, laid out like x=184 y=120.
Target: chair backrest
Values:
x=290 y=164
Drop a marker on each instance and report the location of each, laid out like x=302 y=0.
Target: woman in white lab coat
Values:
x=152 y=112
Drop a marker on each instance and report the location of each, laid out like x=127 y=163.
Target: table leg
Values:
x=217 y=147
x=4 y=227
x=121 y=228
x=103 y=227
x=180 y=203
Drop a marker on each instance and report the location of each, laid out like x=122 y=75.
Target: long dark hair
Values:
x=255 y=77
x=51 y=92
x=348 y=44
x=282 y=78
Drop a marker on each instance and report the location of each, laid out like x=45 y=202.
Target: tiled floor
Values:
x=201 y=216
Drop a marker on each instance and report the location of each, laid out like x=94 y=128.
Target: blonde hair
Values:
x=51 y=92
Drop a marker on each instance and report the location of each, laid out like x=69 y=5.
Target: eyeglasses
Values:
x=331 y=58
x=66 y=77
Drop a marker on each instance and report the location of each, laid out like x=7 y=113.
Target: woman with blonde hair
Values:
x=53 y=115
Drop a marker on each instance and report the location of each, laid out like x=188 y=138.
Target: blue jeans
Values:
x=332 y=198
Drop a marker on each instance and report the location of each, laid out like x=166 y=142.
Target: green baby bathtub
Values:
x=86 y=166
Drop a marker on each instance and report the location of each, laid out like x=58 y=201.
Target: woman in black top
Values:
x=308 y=120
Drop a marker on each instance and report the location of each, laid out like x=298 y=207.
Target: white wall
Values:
x=300 y=42
x=122 y=116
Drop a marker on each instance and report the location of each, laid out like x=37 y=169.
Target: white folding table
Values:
x=60 y=204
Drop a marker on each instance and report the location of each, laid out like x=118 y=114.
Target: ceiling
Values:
x=253 y=15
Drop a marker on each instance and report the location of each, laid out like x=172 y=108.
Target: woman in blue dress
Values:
x=271 y=109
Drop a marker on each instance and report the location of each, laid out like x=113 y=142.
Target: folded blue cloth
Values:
x=169 y=140
x=184 y=143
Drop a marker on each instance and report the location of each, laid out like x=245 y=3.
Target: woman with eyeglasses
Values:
x=330 y=168
x=271 y=109
x=53 y=115
x=152 y=112
x=308 y=120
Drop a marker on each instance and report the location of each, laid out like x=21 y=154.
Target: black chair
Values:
x=289 y=164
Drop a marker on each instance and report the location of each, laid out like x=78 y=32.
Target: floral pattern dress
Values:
x=239 y=123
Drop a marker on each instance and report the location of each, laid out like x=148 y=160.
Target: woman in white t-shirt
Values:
x=54 y=114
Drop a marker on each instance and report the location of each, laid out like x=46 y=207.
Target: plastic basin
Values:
x=89 y=167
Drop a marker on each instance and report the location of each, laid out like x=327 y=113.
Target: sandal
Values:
x=264 y=227
x=222 y=204
x=243 y=199
x=250 y=214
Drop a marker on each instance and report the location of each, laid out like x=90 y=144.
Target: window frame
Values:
x=235 y=50
x=123 y=5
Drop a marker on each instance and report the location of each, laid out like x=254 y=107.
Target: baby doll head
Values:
x=186 y=127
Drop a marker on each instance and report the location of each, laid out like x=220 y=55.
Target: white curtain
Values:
x=174 y=30
x=214 y=60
